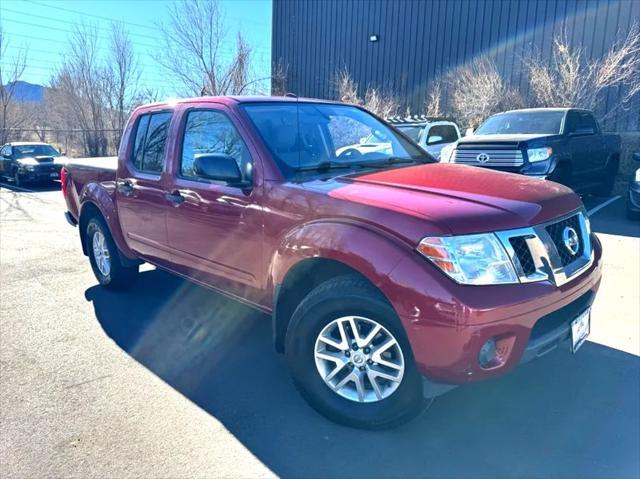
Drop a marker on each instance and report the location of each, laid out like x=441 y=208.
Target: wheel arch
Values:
x=315 y=252
x=298 y=282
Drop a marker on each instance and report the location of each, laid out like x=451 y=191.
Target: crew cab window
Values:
x=209 y=131
x=440 y=134
x=6 y=151
x=151 y=137
x=581 y=123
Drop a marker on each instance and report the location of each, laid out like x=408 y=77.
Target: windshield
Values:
x=26 y=151
x=307 y=136
x=412 y=132
x=523 y=122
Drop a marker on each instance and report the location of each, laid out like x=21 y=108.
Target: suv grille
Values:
x=556 y=232
x=489 y=157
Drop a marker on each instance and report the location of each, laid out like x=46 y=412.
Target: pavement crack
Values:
x=82 y=383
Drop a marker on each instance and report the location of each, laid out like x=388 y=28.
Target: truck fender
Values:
x=315 y=252
x=96 y=197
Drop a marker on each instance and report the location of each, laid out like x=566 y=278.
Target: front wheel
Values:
x=104 y=257
x=350 y=358
x=17 y=179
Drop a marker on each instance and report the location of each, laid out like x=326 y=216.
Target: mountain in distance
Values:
x=28 y=92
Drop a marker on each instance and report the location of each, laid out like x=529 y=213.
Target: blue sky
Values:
x=43 y=26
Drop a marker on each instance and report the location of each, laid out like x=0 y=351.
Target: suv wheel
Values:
x=350 y=358
x=17 y=179
x=104 y=257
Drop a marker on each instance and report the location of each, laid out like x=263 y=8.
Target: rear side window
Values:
x=581 y=122
x=210 y=131
x=440 y=134
x=149 y=146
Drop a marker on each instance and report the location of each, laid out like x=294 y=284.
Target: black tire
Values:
x=608 y=180
x=349 y=296
x=119 y=276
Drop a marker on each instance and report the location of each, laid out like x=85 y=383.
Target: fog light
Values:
x=488 y=354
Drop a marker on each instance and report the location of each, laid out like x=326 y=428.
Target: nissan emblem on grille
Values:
x=570 y=240
x=483 y=158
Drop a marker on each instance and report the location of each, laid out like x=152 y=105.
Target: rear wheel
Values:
x=104 y=257
x=350 y=358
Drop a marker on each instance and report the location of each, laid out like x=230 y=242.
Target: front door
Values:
x=140 y=189
x=215 y=229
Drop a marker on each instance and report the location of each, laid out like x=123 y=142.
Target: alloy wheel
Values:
x=359 y=359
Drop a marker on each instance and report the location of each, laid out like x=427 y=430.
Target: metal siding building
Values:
x=422 y=39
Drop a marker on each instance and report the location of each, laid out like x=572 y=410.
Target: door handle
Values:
x=125 y=187
x=175 y=197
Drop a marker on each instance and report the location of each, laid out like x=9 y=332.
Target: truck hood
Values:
x=500 y=138
x=460 y=198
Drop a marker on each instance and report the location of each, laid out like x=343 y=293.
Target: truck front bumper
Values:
x=449 y=326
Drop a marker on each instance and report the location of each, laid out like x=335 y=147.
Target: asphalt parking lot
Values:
x=171 y=380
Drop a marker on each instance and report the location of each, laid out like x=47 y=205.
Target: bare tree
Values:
x=478 y=91
x=572 y=80
x=381 y=103
x=279 y=79
x=433 y=104
x=193 y=51
x=11 y=115
x=81 y=83
x=121 y=78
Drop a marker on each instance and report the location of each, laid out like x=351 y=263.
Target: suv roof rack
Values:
x=416 y=119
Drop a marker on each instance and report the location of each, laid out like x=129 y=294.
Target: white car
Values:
x=431 y=134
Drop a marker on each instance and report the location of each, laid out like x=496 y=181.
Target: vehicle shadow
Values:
x=562 y=416
x=613 y=220
x=32 y=187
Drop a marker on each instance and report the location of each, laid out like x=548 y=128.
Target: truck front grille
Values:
x=558 y=250
x=556 y=231
x=521 y=250
x=509 y=158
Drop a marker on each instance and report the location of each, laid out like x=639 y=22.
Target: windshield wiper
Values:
x=329 y=165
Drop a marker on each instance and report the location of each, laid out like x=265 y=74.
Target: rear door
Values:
x=215 y=229
x=584 y=144
x=140 y=189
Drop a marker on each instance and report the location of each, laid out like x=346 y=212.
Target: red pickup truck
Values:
x=388 y=277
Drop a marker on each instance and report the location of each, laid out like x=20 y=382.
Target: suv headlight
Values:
x=539 y=154
x=471 y=259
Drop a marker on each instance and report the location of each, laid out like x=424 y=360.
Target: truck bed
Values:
x=82 y=171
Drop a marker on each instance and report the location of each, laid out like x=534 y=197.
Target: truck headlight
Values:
x=539 y=154
x=471 y=259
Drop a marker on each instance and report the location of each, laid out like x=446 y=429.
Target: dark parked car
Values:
x=633 y=195
x=383 y=275
x=564 y=145
x=28 y=162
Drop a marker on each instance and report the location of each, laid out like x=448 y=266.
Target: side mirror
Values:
x=434 y=139
x=636 y=156
x=218 y=167
x=469 y=132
